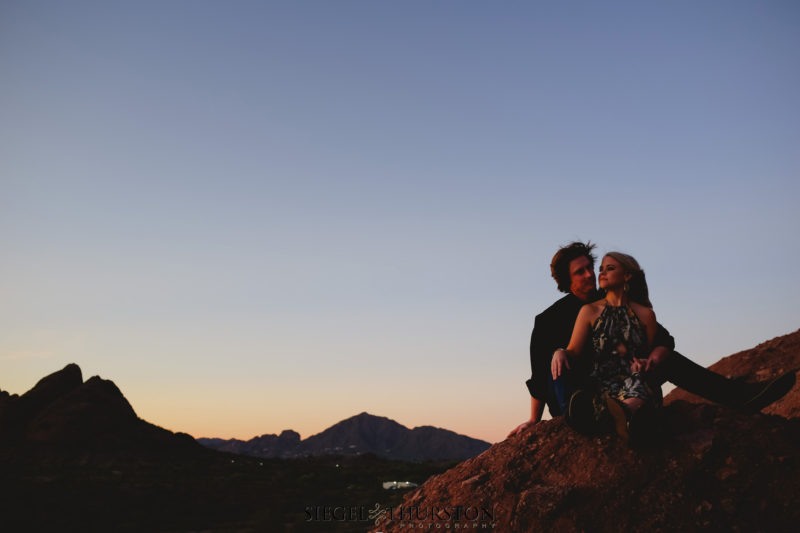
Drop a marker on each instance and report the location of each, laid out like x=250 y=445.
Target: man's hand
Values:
x=657 y=356
x=520 y=428
x=537 y=408
x=559 y=364
x=640 y=365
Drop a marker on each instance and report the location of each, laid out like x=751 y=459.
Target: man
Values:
x=573 y=269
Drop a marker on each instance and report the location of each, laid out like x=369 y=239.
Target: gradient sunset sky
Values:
x=255 y=216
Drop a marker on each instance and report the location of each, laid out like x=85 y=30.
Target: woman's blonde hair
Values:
x=637 y=285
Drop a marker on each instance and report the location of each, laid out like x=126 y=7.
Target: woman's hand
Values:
x=560 y=363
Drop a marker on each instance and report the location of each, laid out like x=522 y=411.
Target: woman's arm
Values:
x=648 y=318
x=583 y=325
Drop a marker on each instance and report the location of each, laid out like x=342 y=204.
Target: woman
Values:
x=620 y=328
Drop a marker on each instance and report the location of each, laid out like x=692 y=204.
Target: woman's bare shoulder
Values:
x=592 y=310
x=643 y=312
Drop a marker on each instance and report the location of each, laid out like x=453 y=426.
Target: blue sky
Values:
x=255 y=216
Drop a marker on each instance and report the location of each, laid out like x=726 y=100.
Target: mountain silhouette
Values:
x=75 y=457
x=62 y=418
x=359 y=434
x=714 y=469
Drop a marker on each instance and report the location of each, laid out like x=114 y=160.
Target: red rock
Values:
x=716 y=469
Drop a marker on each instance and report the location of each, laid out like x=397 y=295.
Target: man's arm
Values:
x=537 y=408
x=540 y=354
x=663 y=338
x=537 y=384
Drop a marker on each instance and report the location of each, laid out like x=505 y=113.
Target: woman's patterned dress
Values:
x=611 y=369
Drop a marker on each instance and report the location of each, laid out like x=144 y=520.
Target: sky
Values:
x=254 y=216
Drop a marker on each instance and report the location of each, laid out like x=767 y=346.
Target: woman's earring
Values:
x=627 y=287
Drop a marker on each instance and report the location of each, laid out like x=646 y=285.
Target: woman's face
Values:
x=612 y=274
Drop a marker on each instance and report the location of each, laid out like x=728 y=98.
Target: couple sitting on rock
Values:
x=599 y=357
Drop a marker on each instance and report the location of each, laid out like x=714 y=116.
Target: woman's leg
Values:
x=635 y=394
x=633 y=404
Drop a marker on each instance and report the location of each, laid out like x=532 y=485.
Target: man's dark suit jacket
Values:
x=552 y=330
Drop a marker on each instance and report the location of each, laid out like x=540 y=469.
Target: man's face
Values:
x=581 y=276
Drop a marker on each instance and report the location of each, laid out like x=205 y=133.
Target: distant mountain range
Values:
x=65 y=418
x=359 y=434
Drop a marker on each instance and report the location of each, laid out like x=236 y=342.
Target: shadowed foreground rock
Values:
x=716 y=469
x=766 y=361
x=63 y=419
x=75 y=457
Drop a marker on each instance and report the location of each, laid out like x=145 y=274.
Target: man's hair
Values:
x=559 y=266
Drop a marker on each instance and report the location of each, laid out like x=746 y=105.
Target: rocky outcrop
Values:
x=359 y=434
x=16 y=412
x=714 y=469
x=761 y=363
x=62 y=419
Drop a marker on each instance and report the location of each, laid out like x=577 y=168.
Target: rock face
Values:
x=363 y=433
x=16 y=412
x=63 y=419
x=716 y=469
x=766 y=361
